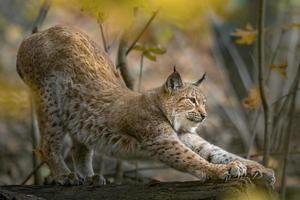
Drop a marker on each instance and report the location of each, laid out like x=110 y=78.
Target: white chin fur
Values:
x=177 y=123
x=193 y=130
x=183 y=124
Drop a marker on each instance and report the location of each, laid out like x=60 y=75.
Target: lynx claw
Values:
x=95 y=180
x=257 y=175
x=227 y=177
x=74 y=179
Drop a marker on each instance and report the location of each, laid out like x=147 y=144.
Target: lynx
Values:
x=78 y=91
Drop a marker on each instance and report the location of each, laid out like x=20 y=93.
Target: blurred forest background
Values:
x=219 y=37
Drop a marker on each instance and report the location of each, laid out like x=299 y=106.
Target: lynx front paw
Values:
x=258 y=171
x=234 y=169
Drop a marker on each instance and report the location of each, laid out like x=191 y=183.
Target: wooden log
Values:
x=154 y=191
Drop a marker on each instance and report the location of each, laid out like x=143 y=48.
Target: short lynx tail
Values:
x=30 y=59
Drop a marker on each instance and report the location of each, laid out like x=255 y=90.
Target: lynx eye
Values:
x=193 y=100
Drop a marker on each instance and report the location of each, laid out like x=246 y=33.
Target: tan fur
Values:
x=78 y=92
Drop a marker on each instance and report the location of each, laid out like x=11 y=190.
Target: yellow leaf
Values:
x=38 y=153
x=185 y=14
x=294 y=25
x=253 y=99
x=280 y=69
x=245 y=36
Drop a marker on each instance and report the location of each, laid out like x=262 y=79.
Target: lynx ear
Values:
x=174 y=81
x=197 y=83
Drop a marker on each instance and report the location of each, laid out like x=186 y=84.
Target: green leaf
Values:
x=101 y=17
x=157 y=50
x=148 y=55
x=139 y=47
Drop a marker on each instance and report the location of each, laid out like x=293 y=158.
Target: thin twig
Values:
x=279 y=121
x=122 y=64
x=287 y=140
x=141 y=72
x=284 y=96
x=41 y=16
x=103 y=38
x=33 y=172
x=279 y=117
x=142 y=32
x=254 y=132
x=65 y=154
x=261 y=64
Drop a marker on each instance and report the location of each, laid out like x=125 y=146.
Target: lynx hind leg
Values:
x=52 y=134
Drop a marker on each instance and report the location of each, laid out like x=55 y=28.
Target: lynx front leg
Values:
x=206 y=150
x=216 y=155
x=83 y=160
x=170 y=150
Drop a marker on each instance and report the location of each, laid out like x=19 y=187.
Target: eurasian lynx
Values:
x=77 y=91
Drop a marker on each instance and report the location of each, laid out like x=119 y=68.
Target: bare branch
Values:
x=254 y=132
x=41 y=16
x=103 y=38
x=261 y=64
x=141 y=72
x=122 y=63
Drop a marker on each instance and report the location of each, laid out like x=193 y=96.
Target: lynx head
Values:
x=184 y=103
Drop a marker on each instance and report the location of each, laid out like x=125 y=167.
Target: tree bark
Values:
x=158 y=190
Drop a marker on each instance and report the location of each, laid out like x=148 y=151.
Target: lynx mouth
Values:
x=195 y=117
x=196 y=120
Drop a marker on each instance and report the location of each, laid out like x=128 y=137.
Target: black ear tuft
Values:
x=197 y=83
x=174 y=81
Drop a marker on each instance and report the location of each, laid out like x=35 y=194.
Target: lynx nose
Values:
x=203 y=116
